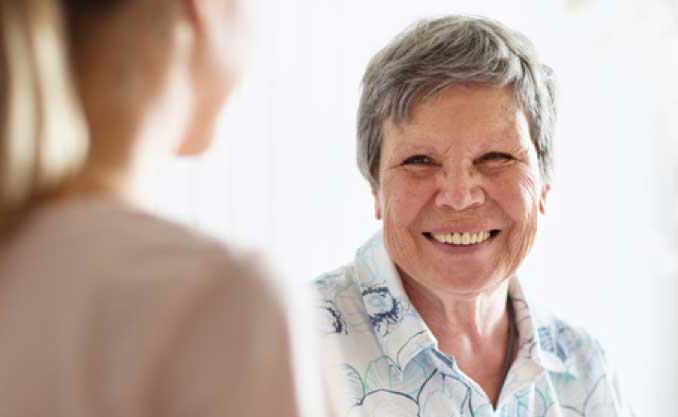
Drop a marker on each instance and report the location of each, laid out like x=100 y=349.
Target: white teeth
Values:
x=462 y=238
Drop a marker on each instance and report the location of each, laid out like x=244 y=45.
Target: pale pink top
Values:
x=106 y=311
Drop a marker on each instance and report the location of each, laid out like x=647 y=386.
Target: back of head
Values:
x=85 y=83
x=43 y=139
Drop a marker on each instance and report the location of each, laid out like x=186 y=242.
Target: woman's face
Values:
x=460 y=190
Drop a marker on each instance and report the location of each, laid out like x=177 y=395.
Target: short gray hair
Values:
x=435 y=54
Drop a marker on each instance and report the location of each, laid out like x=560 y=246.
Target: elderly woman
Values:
x=455 y=131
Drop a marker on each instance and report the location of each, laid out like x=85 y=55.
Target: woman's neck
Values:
x=120 y=154
x=473 y=328
x=85 y=185
x=477 y=316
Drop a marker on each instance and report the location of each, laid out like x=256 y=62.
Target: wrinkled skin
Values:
x=463 y=160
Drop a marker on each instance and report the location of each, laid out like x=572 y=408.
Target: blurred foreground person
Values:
x=106 y=310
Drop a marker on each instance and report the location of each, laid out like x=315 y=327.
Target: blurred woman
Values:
x=104 y=309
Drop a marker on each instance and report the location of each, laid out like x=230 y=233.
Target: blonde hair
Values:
x=43 y=138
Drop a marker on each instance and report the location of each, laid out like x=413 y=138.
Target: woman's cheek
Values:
x=404 y=199
x=518 y=195
x=520 y=201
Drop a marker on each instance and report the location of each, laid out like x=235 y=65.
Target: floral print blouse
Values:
x=387 y=363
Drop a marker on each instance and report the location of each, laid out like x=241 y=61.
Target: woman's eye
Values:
x=418 y=160
x=496 y=157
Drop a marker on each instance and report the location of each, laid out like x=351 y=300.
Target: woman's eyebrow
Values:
x=499 y=138
x=414 y=146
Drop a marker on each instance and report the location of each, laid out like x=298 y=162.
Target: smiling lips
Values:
x=465 y=239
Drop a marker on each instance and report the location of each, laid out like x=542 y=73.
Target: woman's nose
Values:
x=460 y=189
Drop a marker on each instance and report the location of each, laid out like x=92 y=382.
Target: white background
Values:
x=282 y=176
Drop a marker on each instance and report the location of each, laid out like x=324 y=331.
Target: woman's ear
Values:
x=213 y=17
x=195 y=11
x=542 y=199
x=377 y=204
x=213 y=68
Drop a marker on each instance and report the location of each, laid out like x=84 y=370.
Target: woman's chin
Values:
x=465 y=280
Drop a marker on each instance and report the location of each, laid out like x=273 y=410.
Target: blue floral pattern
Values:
x=389 y=365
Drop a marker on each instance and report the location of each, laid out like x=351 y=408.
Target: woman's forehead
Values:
x=492 y=109
x=437 y=134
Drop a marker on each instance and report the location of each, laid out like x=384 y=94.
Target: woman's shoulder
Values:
x=104 y=246
x=340 y=307
x=132 y=297
x=580 y=352
x=169 y=254
x=578 y=362
x=557 y=335
x=329 y=284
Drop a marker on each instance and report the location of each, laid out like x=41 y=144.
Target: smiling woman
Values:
x=454 y=135
x=479 y=177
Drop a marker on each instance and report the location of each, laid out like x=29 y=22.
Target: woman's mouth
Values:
x=463 y=239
